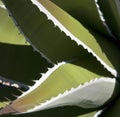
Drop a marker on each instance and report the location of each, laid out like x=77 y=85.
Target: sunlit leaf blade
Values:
x=91 y=95
x=97 y=97
x=112 y=15
x=67 y=77
x=53 y=39
x=8 y=31
x=86 y=12
x=1 y=2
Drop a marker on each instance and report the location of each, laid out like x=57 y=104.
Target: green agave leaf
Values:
x=69 y=98
x=48 y=39
x=1 y=2
x=62 y=83
x=112 y=16
x=87 y=12
x=8 y=31
x=20 y=63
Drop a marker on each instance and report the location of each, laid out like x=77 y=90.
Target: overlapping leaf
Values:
x=56 y=84
x=8 y=31
x=48 y=39
x=112 y=15
x=17 y=60
x=87 y=12
x=53 y=32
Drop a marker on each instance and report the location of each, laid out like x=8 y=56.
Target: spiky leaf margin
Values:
x=73 y=28
x=47 y=94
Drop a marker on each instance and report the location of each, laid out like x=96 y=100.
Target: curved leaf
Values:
x=85 y=11
x=1 y=2
x=8 y=31
x=112 y=15
x=60 y=81
x=20 y=63
x=53 y=39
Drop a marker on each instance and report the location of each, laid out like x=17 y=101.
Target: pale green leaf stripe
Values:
x=1 y=2
x=53 y=42
x=84 y=11
x=92 y=94
x=56 y=81
x=73 y=28
x=112 y=16
x=8 y=31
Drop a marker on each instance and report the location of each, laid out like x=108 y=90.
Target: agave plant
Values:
x=59 y=58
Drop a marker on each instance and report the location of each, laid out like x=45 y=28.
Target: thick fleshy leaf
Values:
x=112 y=16
x=19 y=63
x=66 y=79
x=83 y=99
x=8 y=31
x=48 y=39
x=87 y=12
x=1 y=2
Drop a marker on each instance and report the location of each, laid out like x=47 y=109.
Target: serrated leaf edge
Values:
x=27 y=40
x=68 y=33
x=3 y=6
x=103 y=19
x=43 y=78
x=41 y=105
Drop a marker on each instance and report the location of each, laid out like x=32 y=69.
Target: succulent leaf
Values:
x=8 y=31
x=67 y=24
x=112 y=16
x=86 y=12
x=69 y=79
x=78 y=40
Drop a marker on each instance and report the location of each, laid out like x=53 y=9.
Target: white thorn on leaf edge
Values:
x=27 y=39
x=103 y=19
x=43 y=78
x=45 y=105
x=98 y=113
x=68 y=33
x=3 y=6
